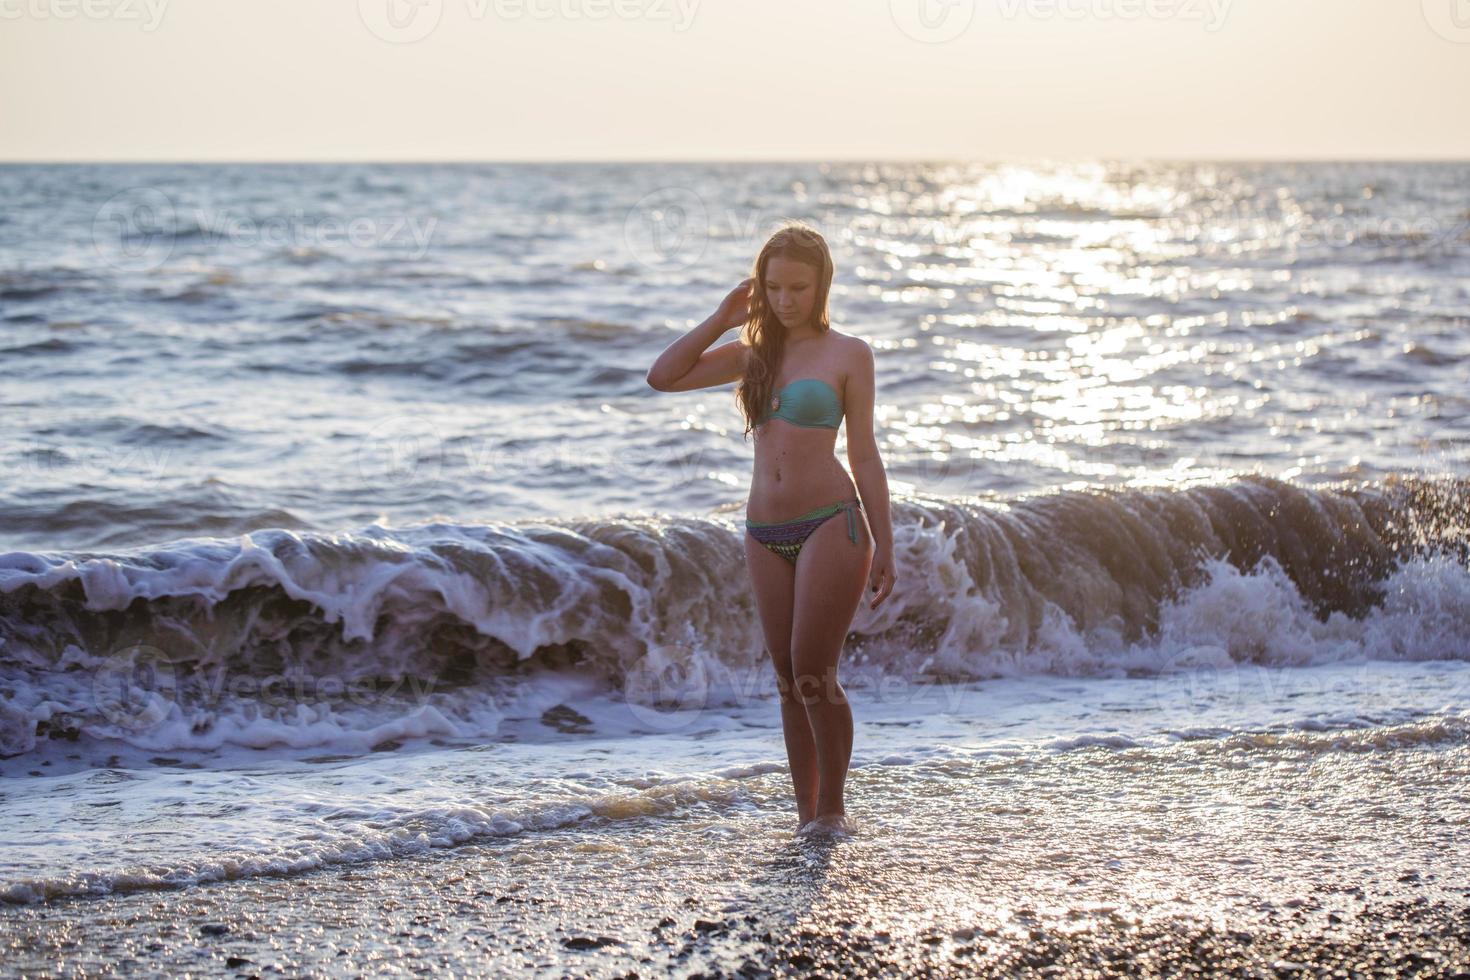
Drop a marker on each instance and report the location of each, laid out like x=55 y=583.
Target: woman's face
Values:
x=791 y=290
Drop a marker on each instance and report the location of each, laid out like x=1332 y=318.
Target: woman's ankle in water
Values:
x=827 y=823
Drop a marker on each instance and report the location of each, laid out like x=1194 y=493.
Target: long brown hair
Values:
x=764 y=332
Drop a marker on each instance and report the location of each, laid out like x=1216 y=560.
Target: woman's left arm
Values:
x=868 y=473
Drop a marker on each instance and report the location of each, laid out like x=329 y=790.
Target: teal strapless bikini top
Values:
x=810 y=402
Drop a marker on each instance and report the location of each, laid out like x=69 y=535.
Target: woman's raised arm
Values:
x=684 y=365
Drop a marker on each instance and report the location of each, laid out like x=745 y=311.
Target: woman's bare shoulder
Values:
x=850 y=354
x=849 y=348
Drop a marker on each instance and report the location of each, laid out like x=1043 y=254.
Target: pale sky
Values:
x=733 y=79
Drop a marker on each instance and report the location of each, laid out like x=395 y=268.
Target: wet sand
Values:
x=435 y=914
x=1328 y=854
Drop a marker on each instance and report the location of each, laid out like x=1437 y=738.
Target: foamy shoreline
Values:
x=1278 y=821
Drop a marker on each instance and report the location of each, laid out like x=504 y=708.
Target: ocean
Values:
x=360 y=601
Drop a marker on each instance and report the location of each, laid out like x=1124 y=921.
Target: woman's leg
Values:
x=773 y=579
x=830 y=574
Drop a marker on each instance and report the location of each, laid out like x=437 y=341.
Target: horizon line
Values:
x=1041 y=158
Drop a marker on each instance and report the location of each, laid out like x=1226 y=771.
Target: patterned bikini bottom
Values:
x=785 y=538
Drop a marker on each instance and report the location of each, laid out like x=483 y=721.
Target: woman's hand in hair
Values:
x=735 y=308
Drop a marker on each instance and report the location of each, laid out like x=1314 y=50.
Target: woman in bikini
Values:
x=796 y=376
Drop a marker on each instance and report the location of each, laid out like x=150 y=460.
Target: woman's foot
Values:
x=830 y=825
